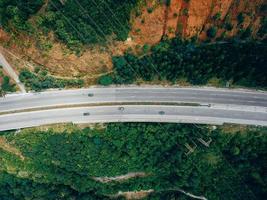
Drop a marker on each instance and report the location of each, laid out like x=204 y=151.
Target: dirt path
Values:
x=120 y=178
x=11 y=72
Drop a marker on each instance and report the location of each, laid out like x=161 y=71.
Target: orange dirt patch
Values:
x=173 y=15
x=148 y=27
x=23 y=52
x=183 y=19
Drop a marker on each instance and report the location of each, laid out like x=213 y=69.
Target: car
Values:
x=86 y=114
x=121 y=108
x=161 y=112
x=90 y=94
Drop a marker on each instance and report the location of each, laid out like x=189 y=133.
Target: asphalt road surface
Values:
x=216 y=106
x=227 y=98
x=131 y=113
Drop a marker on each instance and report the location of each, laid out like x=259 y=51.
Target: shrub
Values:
x=105 y=80
x=217 y=16
x=240 y=18
x=211 y=32
x=149 y=10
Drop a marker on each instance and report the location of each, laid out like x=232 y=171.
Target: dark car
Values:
x=161 y=112
x=121 y=108
x=90 y=94
x=86 y=114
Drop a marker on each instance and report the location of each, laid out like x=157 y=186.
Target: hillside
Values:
x=102 y=162
x=199 y=18
x=78 y=39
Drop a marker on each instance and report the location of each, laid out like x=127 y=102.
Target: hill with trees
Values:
x=231 y=62
x=226 y=163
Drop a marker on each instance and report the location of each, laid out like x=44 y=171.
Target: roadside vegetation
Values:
x=40 y=80
x=232 y=63
x=5 y=83
x=64 y=164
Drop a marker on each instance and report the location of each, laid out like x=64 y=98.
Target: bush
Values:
x=42 y=80
x=6 y=86
x=212 y=32
x=228 y=26
x=105 y=80
x=149 y=10
x=240 y=18
x=217 y=16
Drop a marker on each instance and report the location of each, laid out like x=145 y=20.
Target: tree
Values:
x=212 y=32
x=105 y=80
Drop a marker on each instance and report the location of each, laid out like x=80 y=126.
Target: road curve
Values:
x=216 y=97
x=131 y=113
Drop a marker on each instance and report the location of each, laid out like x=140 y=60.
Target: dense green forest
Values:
x=61 y=164
x=15 y=13
x=89 y=21
x=240 y=63
x=74 y=22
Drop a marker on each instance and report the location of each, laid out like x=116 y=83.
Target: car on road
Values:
x=121 y=108
x=90 y=94
x=161 y=112
x=86 y=114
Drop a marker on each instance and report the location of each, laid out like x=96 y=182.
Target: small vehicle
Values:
x=90 y=94
x=86 y=114
x=121 y=108
x=161 y=112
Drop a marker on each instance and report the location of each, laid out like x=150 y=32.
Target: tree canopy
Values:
x=61 y=164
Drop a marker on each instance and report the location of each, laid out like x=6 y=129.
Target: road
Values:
x=9 y=70
x=132 y=113
x=217 y=97
x=213 y=106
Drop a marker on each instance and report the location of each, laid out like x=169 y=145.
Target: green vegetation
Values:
x=240 y=18
x=73 y=22
x=149 y=10
x=238 y=63
x=263 y=29
x=5 y=86
x=15 y=13
x=41 y=80
x=88 y=22
x=60 y=165
x=217 y=16
x=212 y=32
x=105 y=80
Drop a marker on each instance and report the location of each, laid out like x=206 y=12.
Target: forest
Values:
x=15 y=13
x=73 y=22
x=58 y=164
x=235 y=62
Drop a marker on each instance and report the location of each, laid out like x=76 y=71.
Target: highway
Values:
x=213 y=106
x=131 y=113
x=134 y=94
